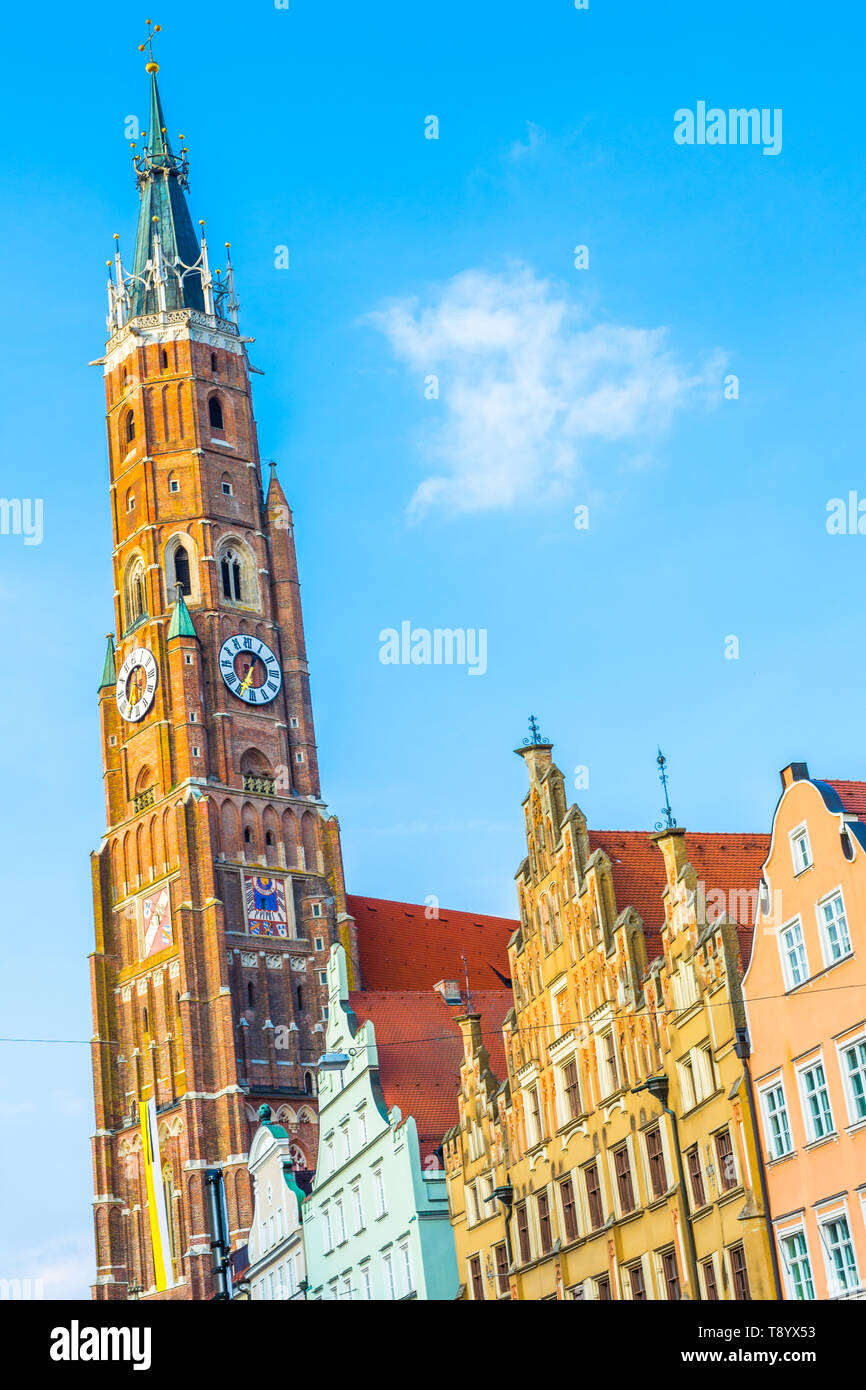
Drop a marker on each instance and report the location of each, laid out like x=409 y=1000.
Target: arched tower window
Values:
x=231 y=574
x=215 y=413
x=130 y=426
x=163 y=358
x=251 y=995
x=300 y=999
x=214 y=364
x=181 y=568
x=136 y=597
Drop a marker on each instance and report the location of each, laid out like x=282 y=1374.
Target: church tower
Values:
x=218 y=885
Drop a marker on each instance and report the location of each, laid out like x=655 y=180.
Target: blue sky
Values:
x=558 y=387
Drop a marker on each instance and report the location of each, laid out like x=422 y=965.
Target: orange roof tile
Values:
x=400 y=948
x=852 y=796
x=420 y=1051
x=723 y=862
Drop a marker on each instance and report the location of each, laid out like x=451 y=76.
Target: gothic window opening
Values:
x=251 y=995
x=230 y=571
x=136 y=606
x=144 y=1016
x=181 y=568
x=214 y=364
x=163 y=357
x=269 y=837
x=299 y=994
x=215 y=414
x=130 y=427
x=248 y=835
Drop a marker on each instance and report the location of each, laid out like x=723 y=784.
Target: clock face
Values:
x=250 y=669
x=136 y=684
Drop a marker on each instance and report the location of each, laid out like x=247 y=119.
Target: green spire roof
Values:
x=162 y=180
x=109 y=674
x=181 y=623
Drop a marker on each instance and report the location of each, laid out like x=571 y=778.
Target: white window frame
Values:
x=406 y=1266
x=800 y=835
x=327 y=1231
x=361 y=1112
x=823 y=929
x=341 y=1220
x=688 y=1089
x=366 y=1281
x=857 y=1041
x=825 y=1220
x=357 y=1208
x=765 y=1090
x=388 y=1280
x=787 y=973
x=379 y=1190
x=791 y=1233
x=815 y=1061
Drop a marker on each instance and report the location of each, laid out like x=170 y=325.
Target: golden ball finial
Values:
x=109 y=264
x=201 y=221
x=141 y=48
x=151 y=67
x=154 y=218
x=156 y=28
x=117 y=236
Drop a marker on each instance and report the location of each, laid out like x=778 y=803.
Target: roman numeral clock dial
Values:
x=136 y=684
x=250 y=669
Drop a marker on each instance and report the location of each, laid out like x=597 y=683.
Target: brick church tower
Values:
x=218 y=885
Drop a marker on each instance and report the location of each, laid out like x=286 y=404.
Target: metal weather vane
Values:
x=668 y=823
x=536 y=737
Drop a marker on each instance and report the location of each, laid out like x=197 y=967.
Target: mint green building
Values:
x=376 y=1224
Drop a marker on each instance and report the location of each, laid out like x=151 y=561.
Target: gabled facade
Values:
x=624 y=997
x=805 y=993
x=275 y=1254
x=376 y=1222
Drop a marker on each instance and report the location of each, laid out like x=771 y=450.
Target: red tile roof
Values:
x=400 y=948
x=852 y=795
x=723 y=862
x=420 y=1051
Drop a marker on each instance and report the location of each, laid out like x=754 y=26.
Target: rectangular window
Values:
x=357 y=1208
x=739 y=1273
x=711 y=1288
x=656 y=1160
x=687 y=1083
x=670 y=1275
x=326 y=1227
x=406 y=1268
x=533 y=1126
x=341 y=1221
x=602 y=1286
x=379 y=1190
x=725 y=1158
x=346 y=1290
x=696 y=1177
x=520 y=1216
x=795 y=1253
x=816 y=1098
x=608 y=1043
x=347 y=1146
x=854 y=1059
x=501 y=1256
x=795 y=966
x=779 y=1140
x=366 y=1283
x=801 y=850
x=569 y=1214
x=476 y=1278
x=624 y=1187
x=332 y=1155
x=841 y=1263
x=362 y=1125
x=388 y=1265
x=571 y=1087
x=593 y=1196
x=636 y=1283
x=544 y=1232
x=834 y=929
x=319 y=943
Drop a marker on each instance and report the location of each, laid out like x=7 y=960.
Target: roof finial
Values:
x=536 y=737
x=152 y=31
x=668 y=823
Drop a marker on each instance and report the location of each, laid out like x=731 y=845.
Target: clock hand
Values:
x=247 y=681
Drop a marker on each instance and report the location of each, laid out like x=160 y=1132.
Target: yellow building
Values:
x=620 y=1180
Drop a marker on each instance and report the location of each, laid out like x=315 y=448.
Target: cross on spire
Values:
x=152 y=31
x=668 y=823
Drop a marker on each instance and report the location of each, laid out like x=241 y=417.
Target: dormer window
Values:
x=215 y=414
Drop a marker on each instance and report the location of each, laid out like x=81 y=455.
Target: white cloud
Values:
x=535 y=135
x=526 y=384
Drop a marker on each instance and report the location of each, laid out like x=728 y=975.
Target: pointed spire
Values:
x=166 y=242
x=181 y=624
x=109 y=673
